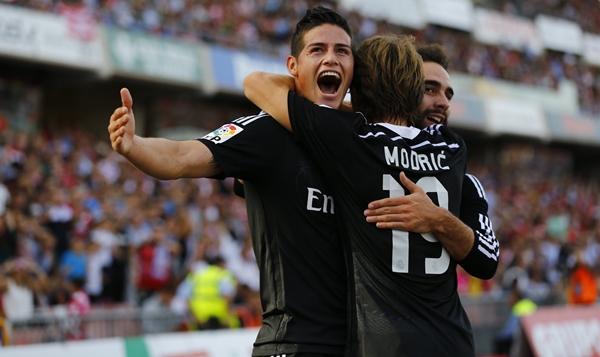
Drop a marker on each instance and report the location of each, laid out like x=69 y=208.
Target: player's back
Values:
x=406 y=303
x=405 y=282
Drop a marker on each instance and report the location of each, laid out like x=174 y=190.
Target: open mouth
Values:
x=435 y=116
x=329 y=82
x=434 y=119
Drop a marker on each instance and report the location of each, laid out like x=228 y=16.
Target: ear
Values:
x=292 y=66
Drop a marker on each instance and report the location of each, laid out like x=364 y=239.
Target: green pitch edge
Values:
x=136 y=347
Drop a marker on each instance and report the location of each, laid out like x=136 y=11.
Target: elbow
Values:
x=484 y=271
x=489 y=272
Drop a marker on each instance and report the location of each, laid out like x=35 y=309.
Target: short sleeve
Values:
x=247 y=147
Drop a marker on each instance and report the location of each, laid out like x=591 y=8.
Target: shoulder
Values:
x=441 y=132
x=472 y=184
x=251 y=122
x=250 y=125
x=256 y=119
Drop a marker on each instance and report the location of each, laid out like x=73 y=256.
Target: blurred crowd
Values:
x=267 y=26
x=547 y=221
x=81 y=227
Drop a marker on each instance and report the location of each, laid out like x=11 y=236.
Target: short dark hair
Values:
x=434 y=52
x=315 y=17
x=214 y=260
x=389 y=82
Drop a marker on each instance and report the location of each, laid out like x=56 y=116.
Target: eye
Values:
x=343 y=51
x=428 y=90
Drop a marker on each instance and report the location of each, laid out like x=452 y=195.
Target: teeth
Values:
x=435 y=119
x=329 y=74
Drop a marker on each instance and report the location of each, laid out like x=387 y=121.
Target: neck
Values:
x=394 y=120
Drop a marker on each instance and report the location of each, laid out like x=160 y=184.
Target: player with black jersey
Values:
x=295 y=237
x=292 y=217
x=404 y=294
x=480 y=244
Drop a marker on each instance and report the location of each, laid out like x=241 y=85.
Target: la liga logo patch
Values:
x=223 y=134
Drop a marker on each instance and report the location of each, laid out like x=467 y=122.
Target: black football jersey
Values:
x=295 y=235
x=482 y=260
x=404 y=283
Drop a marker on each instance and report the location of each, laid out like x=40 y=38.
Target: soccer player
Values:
x=404 y=294
x=472 y=243
x=291 y=212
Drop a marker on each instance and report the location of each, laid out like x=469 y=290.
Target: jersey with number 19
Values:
x=404 y=284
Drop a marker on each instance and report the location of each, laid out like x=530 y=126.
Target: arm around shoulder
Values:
x=269 y=92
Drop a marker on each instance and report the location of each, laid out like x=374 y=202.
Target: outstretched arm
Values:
x=160 y=158
x=417 y=213
x=269 y=92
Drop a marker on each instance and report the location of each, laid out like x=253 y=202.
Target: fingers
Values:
x=118 y=119
x=116 y=127
x=126 y=98
x=411 y=186
x=384 y=218
x=387 y=209
x=390 y=221
x=386 y=202
x=391 y=225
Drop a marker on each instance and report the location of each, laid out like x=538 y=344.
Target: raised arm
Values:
x=160 y=158
x=269 y=92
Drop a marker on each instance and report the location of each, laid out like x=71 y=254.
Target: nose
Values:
x=442 y=102
x=330 y=57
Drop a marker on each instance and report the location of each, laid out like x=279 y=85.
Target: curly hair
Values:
x=389 y=82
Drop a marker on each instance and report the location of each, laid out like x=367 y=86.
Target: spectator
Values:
x=4 y=326
x=155 y=259
x=520 y=306
x=157 y=314
x=79 y=303
x=138 y=229
x=74 y=261
x=8 y=236
x=248 y=310
x=78 y=306
x=582 y=286
x=212 y=292
x=59 y=215
x=24 y=283
x=103 y=239
x=537 y=286
x=114 y=276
